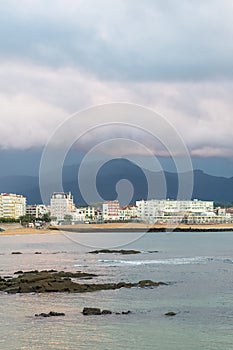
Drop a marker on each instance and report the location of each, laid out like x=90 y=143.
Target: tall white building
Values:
x=61 y=204
x=12 y=205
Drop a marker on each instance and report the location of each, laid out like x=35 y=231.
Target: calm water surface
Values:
x=198 y=267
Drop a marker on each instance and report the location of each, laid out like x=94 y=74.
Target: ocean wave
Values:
x=169 y=261
x=172 y=261
x=228 y=261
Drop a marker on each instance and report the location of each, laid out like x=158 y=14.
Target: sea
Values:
x=197 y=266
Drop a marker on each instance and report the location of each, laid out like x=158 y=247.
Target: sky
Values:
x=61 y=56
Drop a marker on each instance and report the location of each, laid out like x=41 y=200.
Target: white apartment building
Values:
x=154 y=209
x=86 y=214
x=79 y=215
x=90 y=212
x=93 y=213
x=128 y=213
x=12 y=205
x=111 y=210
x=61 y=204
x=208 y=219
x=37 y=210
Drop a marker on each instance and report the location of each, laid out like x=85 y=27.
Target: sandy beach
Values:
x=16 y=229
x=24 y=231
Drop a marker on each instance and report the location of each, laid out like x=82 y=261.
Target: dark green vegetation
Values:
x=28 y=218
x=8 y=220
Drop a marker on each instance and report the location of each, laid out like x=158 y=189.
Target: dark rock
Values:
x=170 y=313
x=50 y=271
x=43 y=314
x=53 y=281
x=126 y=312
x=113 y=251
x=54 y=313
x=122 y=285
x=95 y=311
x=91 y=311
x=12 y=289
x=50 y=314
x=106 y=312
x=149 y=283
x=77 y=274
x=32 y=271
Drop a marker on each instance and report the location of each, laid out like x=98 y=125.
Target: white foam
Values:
x=172 y=261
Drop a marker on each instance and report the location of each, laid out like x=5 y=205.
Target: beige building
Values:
x=61 y=204
x=128 y=213
x=12 y=205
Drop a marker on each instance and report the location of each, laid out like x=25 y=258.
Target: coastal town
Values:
x=63 y=211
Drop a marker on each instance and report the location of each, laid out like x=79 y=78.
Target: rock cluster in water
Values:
x=114 y=251
x=50 y=314
x=170 y=313
x=94 y=311
x=48 y=281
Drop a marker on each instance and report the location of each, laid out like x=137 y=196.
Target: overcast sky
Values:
x=60 y=56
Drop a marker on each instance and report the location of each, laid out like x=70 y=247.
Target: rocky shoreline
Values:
x=51 y=281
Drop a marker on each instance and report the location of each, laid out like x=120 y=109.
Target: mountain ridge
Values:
x=206 y=187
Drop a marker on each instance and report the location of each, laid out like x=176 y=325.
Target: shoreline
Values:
x=116 y=227
x=88 y=228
